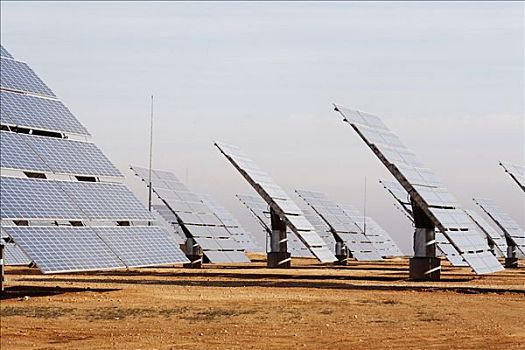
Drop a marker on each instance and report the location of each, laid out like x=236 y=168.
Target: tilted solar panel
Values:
x=423 y=186
x=197 y=218
x=35 y=112
x=517 y=173
x=513 y=232
x=499 y=242
x=16 y=75
x=13 y=255
x=341 y=224
x=275 y=196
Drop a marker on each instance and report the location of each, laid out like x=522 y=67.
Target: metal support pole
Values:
x=2 y=270
x=424 y=266
x=150 y=155
x=278 y=256
x=193 y=253
x=511 y=260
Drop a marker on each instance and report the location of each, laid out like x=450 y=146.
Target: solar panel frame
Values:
x=271 y=192
x=409 y=176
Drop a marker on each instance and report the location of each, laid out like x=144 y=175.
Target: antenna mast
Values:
x=150 y=154
x=364 y=210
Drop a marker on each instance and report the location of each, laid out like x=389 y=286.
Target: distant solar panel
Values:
x=278 y=200
x=199 y=220
x=496 y=239
x=4 y=52
x=425 y=189
x=342 y=225
x=380 y=238
x=69 y=200
x=261 y=211
x=38 y=113
x=167 y=215
x=321 y=228
x=443 y=244
x=517 y=173
x=239 y=234
x=513 y=232
x=39 y=153
x=18 y=76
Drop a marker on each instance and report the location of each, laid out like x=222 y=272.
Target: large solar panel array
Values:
x=517 y=173
x=379 y=237
x=261 y=211
x=443 y=245
x=196 y=218
x=425 y=189
x=278 y=200
x=239 y=234
x=513 y=232
x=342 y=226
x=57 y=204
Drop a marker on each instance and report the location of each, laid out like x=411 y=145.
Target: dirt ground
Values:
x=360 y=306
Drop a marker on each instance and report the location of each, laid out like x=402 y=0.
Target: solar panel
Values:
x=426 y=190
x=4 y=52
x=513 y=232
x=36 y=112
x=199 y=220
x=14 y=256
x=16 y=75
x=44 y=154
x=442 y=242
x=497 y=240
x=380 y=238
x=167 y=215
x=50 y=199
x=56 y=250
x=278 y=200
x=341 y=224
x=260 y=210
x=139 y=246
x=517 y=173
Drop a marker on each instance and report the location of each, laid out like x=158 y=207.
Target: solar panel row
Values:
x=425 y=188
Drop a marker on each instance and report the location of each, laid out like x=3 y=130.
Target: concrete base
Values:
x=196 y=262
x=279 y=260
x=511 y=263
x=425 y=269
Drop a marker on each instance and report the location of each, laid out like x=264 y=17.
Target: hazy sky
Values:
x=448 y=78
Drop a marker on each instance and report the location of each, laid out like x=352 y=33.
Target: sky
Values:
x=448 y=78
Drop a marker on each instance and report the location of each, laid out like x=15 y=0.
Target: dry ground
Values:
x=360 y=306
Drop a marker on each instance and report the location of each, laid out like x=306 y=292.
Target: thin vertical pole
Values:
x=364 y=210
x=150 y=154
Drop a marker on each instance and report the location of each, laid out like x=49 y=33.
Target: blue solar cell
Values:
x=38 y=113
x=19 y=76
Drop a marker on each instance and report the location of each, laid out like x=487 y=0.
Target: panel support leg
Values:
x=511 y=261
x=342 y=253
x=194 y=253
x=278 y=257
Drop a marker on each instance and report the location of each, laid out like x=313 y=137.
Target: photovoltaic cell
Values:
x=517 y=172
x=60 y=249
x=18 y=76
x=36 y=112
x=44 y=154
x=278 y=200
x=512 y=230
x=416 y=180
x=139 y=246
x=497 y=240
x=13 y=255
x=49 y=199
